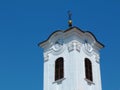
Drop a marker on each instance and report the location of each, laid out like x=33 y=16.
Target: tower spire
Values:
x=69 y=18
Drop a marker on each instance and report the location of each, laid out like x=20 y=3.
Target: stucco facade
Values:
x=74 y=45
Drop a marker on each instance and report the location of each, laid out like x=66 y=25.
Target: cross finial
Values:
x=70 y=18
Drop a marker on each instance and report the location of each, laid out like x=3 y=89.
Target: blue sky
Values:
x=25 y=23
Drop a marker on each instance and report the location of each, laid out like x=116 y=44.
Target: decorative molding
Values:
x=89 y=82
x=97 y=57
x=70 y=47
x=74 y=46
x=73 y=31
x=78 y=47
x=58 y=51
x=46 y=57
x=88 y=49
x=57 y=47
x=59 y=81
x=58 y=44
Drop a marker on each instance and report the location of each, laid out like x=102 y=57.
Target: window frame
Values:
x=88 y=70
x=59 y=68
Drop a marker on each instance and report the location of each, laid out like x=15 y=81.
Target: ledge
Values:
x=89 y=82
x=59 y=81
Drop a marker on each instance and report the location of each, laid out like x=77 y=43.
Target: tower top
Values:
x=84 y=36
x=69 y=18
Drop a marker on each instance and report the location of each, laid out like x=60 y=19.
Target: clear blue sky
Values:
x=25 y=23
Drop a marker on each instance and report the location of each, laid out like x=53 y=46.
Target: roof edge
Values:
x=41 y=43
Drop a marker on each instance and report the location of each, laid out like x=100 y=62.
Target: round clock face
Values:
x=58 y=44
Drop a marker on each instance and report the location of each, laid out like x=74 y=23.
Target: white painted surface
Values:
x=74 y=50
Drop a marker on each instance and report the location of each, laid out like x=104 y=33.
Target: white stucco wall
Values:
x=74 y=50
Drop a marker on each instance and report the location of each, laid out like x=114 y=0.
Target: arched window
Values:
x=88 y=69
x=59 y=68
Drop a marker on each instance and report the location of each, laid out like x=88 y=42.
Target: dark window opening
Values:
x=59 y=68
x=88 y=69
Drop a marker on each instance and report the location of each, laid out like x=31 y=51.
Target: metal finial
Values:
x=70 y=19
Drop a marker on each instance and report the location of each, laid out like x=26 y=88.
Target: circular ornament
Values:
x=58 y=44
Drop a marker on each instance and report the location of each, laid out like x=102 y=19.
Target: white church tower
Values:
x=72 y=60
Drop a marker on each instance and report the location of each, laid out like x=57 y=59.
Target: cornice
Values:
x=84 y=34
